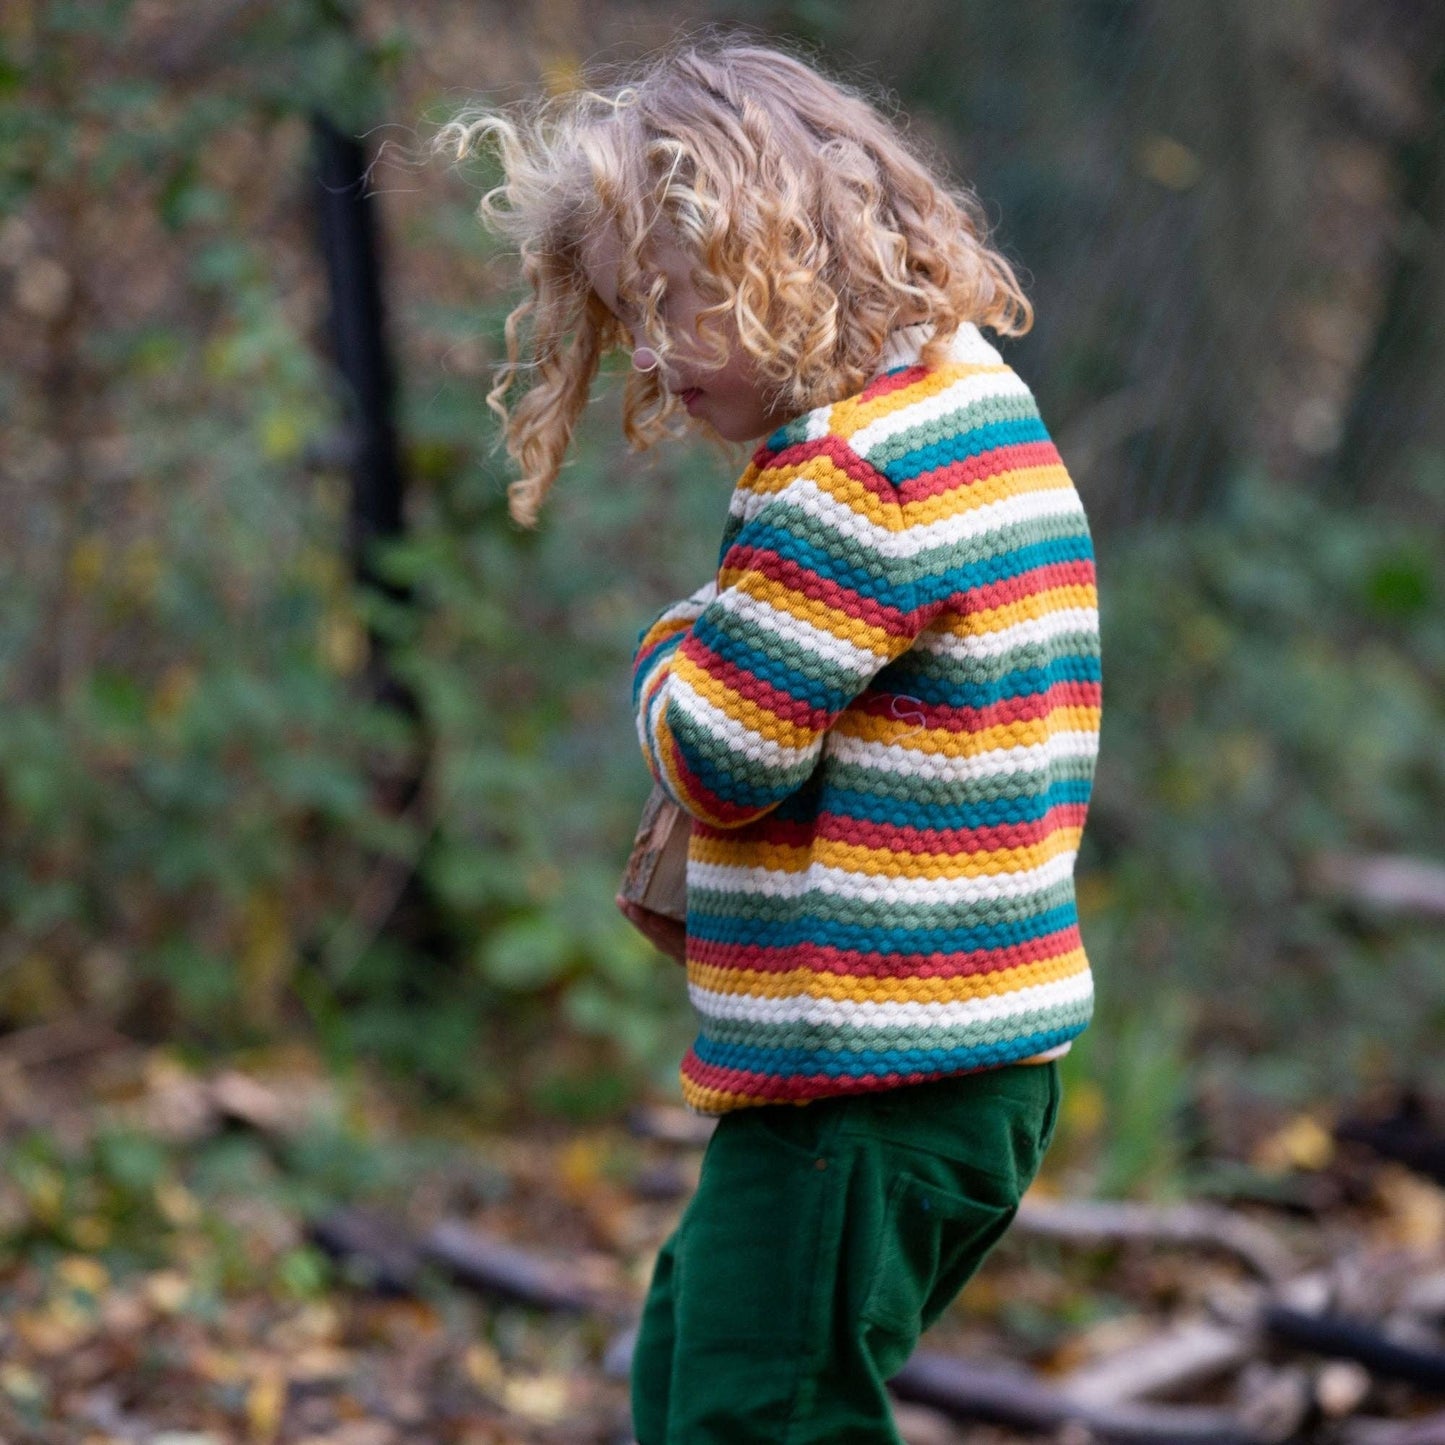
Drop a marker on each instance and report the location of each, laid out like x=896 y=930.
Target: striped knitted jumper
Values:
x=883 y=717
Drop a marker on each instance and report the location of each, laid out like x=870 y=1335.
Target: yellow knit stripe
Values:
x=740 y=709
x=969 y=496
x=1034 y=605
x=716 y=1101
x=853 y=415
x=890 y=863
x=1026 y=732
x=833 y=481
x=851 y=988
x=667 y=752
x=813 y=610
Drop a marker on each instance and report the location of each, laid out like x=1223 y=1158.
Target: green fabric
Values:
x=821 y=1242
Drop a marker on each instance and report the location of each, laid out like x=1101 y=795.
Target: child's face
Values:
x=729 y=398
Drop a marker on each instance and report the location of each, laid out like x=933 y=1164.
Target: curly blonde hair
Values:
x=812 y=222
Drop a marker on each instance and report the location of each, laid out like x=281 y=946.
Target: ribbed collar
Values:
x=906 y=344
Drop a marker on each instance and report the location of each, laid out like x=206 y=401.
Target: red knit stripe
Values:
x=969 y=471
x=896 y=838
x=1026 y=707
x=783 y=570
x=989 y=595
x=763 y=694
x=843 y=457
x=767 y=1088
x=856 y=963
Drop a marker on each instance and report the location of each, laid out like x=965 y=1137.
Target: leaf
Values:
x=526 y=953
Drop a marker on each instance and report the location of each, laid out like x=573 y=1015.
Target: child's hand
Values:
x=666 y=935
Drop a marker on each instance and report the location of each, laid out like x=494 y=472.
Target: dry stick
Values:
x=1391 y=882
x=1175 y=1359
x=1429 y=1430
x=1310 y=1329
x=488 y=1263
x=1351 y=1339
x=1088 y=1221
x=389 y=1258
x=1015 y=1397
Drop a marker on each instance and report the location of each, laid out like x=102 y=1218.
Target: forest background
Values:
x=218 y=839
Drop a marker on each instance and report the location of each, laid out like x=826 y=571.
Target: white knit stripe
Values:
x=818 y=422
x=1057 y=1052
x=647 y=729
x=859 y=887
x=741 y=744
x=905 y=345
x=688 y=608
x=856 y=531
x=802 y=1008
x=1045 y=628
x=1020 y=764
x=859 y=662
x=966 y=391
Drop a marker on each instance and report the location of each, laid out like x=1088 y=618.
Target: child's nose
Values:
x=644 y=358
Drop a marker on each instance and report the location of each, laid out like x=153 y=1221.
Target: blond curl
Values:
x=811 y=220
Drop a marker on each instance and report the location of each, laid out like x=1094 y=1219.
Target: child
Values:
x=881 y=713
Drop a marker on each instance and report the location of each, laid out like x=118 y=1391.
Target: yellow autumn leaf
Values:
x=45 y=1191
x=483 y=1367
x=167 y=1290
x=55 y=1330
x=282 y=435
x=1414 y=1209
x=87 y=562
x=579 y=1167
x=265 y=1404
x=1303 y=1143
x=542 y=1398
x=220 y=1367
x=80 y=1271
x=91 y=1231
x=1083 y=1107
x=178 y=1206
x=343 y=642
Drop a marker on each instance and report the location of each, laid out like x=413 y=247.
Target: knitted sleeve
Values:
x=813 y=599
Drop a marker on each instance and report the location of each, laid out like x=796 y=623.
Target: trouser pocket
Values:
x=933 y=1240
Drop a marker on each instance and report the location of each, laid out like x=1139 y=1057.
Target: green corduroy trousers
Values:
x=821 y=1241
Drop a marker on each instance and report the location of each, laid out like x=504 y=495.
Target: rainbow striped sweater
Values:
x=883 y=717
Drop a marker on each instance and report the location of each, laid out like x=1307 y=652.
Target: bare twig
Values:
x=1090 y=1221
x=1175 y=1359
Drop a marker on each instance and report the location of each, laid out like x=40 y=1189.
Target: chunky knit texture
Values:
x=883 y=717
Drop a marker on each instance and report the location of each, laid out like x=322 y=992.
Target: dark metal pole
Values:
x=349 y=244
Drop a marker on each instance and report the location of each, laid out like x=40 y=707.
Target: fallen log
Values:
x=1349 y=1339
x=492 y=1265
x=381 y=1253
